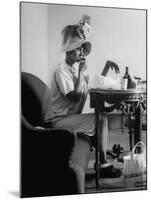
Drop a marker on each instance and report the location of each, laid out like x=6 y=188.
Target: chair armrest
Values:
x=56 y=143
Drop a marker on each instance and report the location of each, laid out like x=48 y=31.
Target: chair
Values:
x=53 y=161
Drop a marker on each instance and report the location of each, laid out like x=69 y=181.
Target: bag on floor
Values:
x=135 y=168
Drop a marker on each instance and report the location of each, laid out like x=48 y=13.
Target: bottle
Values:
x=127 y=76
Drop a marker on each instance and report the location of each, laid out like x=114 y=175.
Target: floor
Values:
x=117 y=184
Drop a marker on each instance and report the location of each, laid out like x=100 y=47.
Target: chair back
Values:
x=34 y=98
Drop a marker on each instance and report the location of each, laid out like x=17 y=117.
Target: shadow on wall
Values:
x=14 y=193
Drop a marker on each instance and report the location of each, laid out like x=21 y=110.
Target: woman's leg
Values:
x=107 y=169
x=85 y=123
x=78 y=123
x=103 y=138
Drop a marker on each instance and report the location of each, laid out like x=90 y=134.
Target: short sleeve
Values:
x=64 y=80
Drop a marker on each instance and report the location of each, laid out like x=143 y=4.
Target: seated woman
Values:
x=70 y=88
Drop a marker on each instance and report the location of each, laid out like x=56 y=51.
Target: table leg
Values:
x=135 y=127
x=138 y=125
x=131 y=137
x=97 y=152
x=131 y=127
x=122 y=122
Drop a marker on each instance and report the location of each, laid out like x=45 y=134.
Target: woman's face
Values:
x=76 y=54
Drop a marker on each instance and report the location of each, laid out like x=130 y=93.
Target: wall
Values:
x=34 y=40
x=118 y=35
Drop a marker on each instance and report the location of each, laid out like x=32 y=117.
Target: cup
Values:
x=138 y=84
x=124 y=84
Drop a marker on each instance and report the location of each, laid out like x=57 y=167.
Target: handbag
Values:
x=135 y=168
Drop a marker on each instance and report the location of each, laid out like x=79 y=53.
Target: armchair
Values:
x=53 y=161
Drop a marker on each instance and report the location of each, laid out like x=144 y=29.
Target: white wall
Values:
x=118 y=35
x=34 y=40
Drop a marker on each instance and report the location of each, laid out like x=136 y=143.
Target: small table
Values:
x=131 y=101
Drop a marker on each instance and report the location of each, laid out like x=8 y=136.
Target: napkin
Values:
x=103 y=82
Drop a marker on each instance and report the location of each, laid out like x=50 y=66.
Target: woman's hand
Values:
x=110 y=64
x=114 y=66
x=82 y=65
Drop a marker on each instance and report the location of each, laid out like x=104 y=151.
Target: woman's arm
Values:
x=75 y=95
x=109 y=64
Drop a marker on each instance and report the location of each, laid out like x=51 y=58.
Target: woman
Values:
x=69 y=91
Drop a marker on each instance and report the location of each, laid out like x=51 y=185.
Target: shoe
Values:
x=110 y=172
